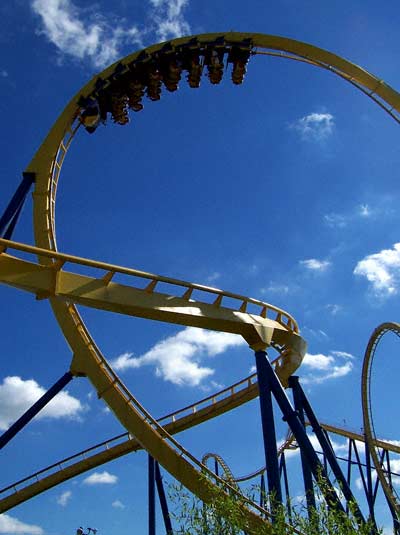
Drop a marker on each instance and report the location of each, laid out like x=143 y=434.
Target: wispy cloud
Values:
x=117 y=504
x=214 y=276
x=342 y=220
x=364 y=210
x=177 y=358
x=335 y=220
x=334 y=308
x=382 y=270
x=169 y=19
x=100 y=478
x=83 y=35
x=64 y=498
x=17 y=395
x=313 y=264
x=9 y=524
x=86 y=34
x=318 y=334
x=325 y=367
x=315 y=126
x=282 y=289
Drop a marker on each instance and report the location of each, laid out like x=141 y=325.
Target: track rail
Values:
x=390 y=493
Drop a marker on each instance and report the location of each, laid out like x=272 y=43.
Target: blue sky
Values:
x=284 y=188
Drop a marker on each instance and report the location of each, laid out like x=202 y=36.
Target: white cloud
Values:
x=335 y=220
x=318 y=361
x=64 y=498
x=359 y=483
x=214 y=276
x=382 y=270
x=3 y=73
x=341 y=220
x=334 y=308
x=169 y=19
x=315 y=126
x=71 y=31
x=318 y=334
x=315 y=265
x=9 y=524
x=177 y=358
x=326 y=366
x=364 y=210
x=17 y=395
x=87 y=34
x=100 y=478
x=117 y=504
x=343 y=354
x=276 y=288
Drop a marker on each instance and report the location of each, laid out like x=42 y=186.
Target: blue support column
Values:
x=283 y=470
x=10 y=216
x=35 y=409
x=369 y=489
x=268 y=427
x=349 y=466
x=307 y=475
x=152 y=495
x=262 y=492
x=290 y=415
x=327 y=449
x=163 y=501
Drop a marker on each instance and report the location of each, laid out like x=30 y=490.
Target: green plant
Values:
x=225 y=516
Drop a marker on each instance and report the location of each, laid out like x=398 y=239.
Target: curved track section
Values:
x=112 y=92
x=210 y=407
x=370 y=436
x=175 y=422
x=228 y=476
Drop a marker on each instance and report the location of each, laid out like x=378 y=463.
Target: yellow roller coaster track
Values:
x=370 y=435
x=47 y=279
x=185 y=418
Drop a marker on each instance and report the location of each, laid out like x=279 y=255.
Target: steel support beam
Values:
x=291 y=416
x=151 y=495
x=327 y=449
x=283 y=470
x=268 y=427
x=10 y=216
x=163 y=501
x=35 y=409
x=307 y=475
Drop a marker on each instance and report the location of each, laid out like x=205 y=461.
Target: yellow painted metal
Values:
x=88 y=359
x=370 y=436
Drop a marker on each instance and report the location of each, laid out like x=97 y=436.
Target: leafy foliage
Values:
x=225 y=516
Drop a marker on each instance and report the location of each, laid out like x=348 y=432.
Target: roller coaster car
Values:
x=239 y=57
x=135 y=94
x=215 y=64
x=171 y=72
x=191 y=63
x=90 y=116
x=170 y=66
x=119 y=108
x=154 y=78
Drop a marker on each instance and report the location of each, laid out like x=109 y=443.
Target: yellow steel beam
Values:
x=51 y=282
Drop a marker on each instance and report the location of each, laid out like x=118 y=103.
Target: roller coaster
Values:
x=117 y=92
